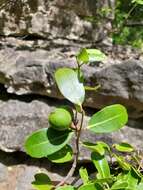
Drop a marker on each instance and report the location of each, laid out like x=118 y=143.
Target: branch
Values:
x=132 y=23
x=72 y=170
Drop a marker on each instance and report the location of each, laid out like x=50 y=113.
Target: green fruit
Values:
x=69 y=109
x=60 y=119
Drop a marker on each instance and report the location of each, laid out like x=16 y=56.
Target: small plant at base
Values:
x=52 y=142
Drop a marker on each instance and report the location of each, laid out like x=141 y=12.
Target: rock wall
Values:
x=36 y=38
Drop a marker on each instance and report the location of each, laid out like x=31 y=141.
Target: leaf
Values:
x=69 y=85
x=128 y=179
x=99 y=147
x=46 y=141
x=121 y=161
x=42 y=182
x=84 y=175
x=101 y=165
x=140 y=2
x=62 y=156
x=95 y=147
x=123 y=147
x=90 y=55
x=91 y=186
x=89 y=88
x=109 y=119
x=119 y=185
x=65 y=187
x=140 y=186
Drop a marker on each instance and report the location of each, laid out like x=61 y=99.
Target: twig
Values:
x=76 y=155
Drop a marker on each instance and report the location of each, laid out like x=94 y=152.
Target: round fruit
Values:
x=60 y=119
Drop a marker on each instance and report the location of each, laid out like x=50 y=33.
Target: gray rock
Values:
x=17 y=171
x=24 y=72
x=55 y=19
x=19 y=118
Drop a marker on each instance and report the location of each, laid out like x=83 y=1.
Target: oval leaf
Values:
x=42 y=182
x=123 y=147
x=90 y=55
x=101 y=165
x=62 y=156
x=46 y=141
x=109 y=119
x=69 y=85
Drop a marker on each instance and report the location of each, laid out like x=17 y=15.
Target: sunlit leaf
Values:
x=101 y=165
x=122 y=163
x=65 y=187
x=42 y=182
x=62 y=156
x=46 y=141
x=140 y=2
x=109 y=119
x=119 y=185
x=84 y=175
x=123 y=147
x=91 y=186
x=69 y=85
x=94 y=147
x=99 y=147
x=90 y=55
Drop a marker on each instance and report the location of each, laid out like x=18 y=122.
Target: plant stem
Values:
x=76 y=155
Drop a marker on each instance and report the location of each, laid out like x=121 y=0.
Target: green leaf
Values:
x=130 y=178
x=140 y=186
x=139 y=2
x=101 y=165
x=109 y=119
x=95 y=147
x=42 y=182
x=90 y=55
x=119 y=185
x=91 y=186
x=99 y=147
x=69 y=85
x=62 y=156
x=84 y=175
x=65 y=187
x=89 y=88
x=123 y=147
x=121 y=161
x=46 y=141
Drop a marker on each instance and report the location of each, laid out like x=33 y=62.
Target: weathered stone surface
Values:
x=19 y=118
x=55 y=19
x=17 y=171
x=24 y=72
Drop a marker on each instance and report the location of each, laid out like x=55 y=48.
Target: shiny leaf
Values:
x=123 y=147
x=91 y=186
x=90 y=55
x=69 y=85
x=62 y=156
x=84 y=175
x=46 y=141
x=101 y=165
x=94 y=147
x=109 y=119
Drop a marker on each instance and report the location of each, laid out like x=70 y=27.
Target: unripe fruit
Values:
x=60 y=119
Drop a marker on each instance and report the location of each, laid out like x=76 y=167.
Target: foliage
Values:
x=127 y=25
x=52 y=143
